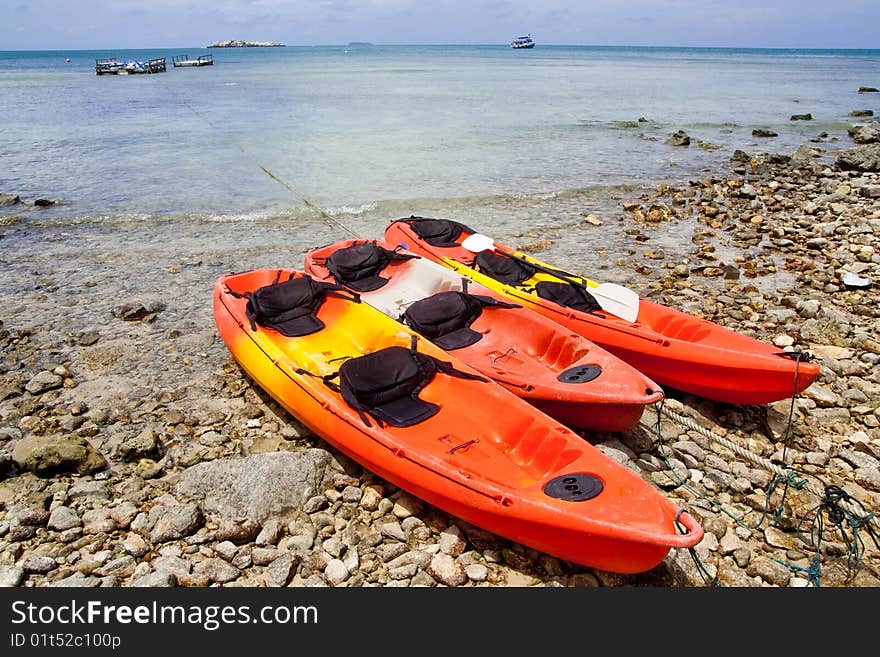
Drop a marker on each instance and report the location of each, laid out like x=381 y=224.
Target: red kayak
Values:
x=428 y=423
x=560 y=372
x=674 y=348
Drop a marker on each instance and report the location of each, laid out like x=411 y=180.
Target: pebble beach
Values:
x=134 y=452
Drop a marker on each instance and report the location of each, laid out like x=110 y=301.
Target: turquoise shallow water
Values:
x=402 y=128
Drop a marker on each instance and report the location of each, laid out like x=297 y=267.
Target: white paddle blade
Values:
x=617 y=300
x=477 y=242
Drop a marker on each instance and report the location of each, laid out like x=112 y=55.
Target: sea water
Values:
x=313 y=144
x=349 y=126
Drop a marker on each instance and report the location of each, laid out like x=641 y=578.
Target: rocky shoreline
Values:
x=111 y=476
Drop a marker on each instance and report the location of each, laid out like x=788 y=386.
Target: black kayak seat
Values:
x=358 y=266
x=568 y=295
x=386 y=383
x=445 y=318
x=290 y=307
x=437 y=232
x=503 y=268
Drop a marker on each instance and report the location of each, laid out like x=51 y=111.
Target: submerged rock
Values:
x=679 y=138
x=136 y=311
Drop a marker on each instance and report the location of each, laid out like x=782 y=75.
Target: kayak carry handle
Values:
x=689 y=527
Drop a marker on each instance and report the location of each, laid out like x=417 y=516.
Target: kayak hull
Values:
x=521 y=350
x=673 y=348
x=486 y=457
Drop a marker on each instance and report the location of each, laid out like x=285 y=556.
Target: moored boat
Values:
x=433 y=426
x=673 y=348
x=185 y=61
x=523 y=42
x=555 y=369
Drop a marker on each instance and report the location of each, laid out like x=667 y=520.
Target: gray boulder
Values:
x=257 y=487
x=860 y=158
x=155 y=580
x=135 y=311
x=11 y=576
x=63 y=518
x=174 y=522
x=864 y=134
x=42 y=382
x=142 y=446
x=805 y=154
x=46 y=456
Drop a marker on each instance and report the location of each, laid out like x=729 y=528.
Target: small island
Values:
x=245 y=44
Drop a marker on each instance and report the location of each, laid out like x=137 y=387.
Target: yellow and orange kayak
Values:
x=555 y=369
x=430 y=424
x=677 y=350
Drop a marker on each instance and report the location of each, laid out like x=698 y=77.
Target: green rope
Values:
x=812 y=572
x=834 y=504
x=714 y=506
x=708 y=578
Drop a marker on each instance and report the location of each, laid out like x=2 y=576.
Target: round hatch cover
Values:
x=580 y=374
x=574 y=487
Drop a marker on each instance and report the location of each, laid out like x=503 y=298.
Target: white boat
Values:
x=523 y=42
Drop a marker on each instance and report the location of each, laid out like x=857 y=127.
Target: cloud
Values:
x=135 y=23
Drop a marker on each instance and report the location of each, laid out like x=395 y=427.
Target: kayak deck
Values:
x=554 y=368
x=673 y=348
x=486 y=456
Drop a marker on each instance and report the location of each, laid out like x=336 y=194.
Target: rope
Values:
x=701 y=568
x=326 y=216
x=847 y=522
x=791 y=477
x=848 y=515
x=307 y=202
x=737 y=449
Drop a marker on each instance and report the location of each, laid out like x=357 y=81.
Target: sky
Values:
x=95 y=24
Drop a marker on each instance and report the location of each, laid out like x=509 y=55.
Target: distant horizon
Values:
x=439 y=45
x=747 y=24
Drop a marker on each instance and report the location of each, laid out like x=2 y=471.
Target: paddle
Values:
x=616 y=299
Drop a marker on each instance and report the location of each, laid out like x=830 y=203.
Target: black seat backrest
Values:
x=387 y=382
x=502 y=268
x=290 y=307
x=445 y=318
x=568 y=295
x=358 y=266
x=437 y=232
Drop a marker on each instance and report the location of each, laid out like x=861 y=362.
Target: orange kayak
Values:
x=433 y=426
x=673 y=348
x=560 y=372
